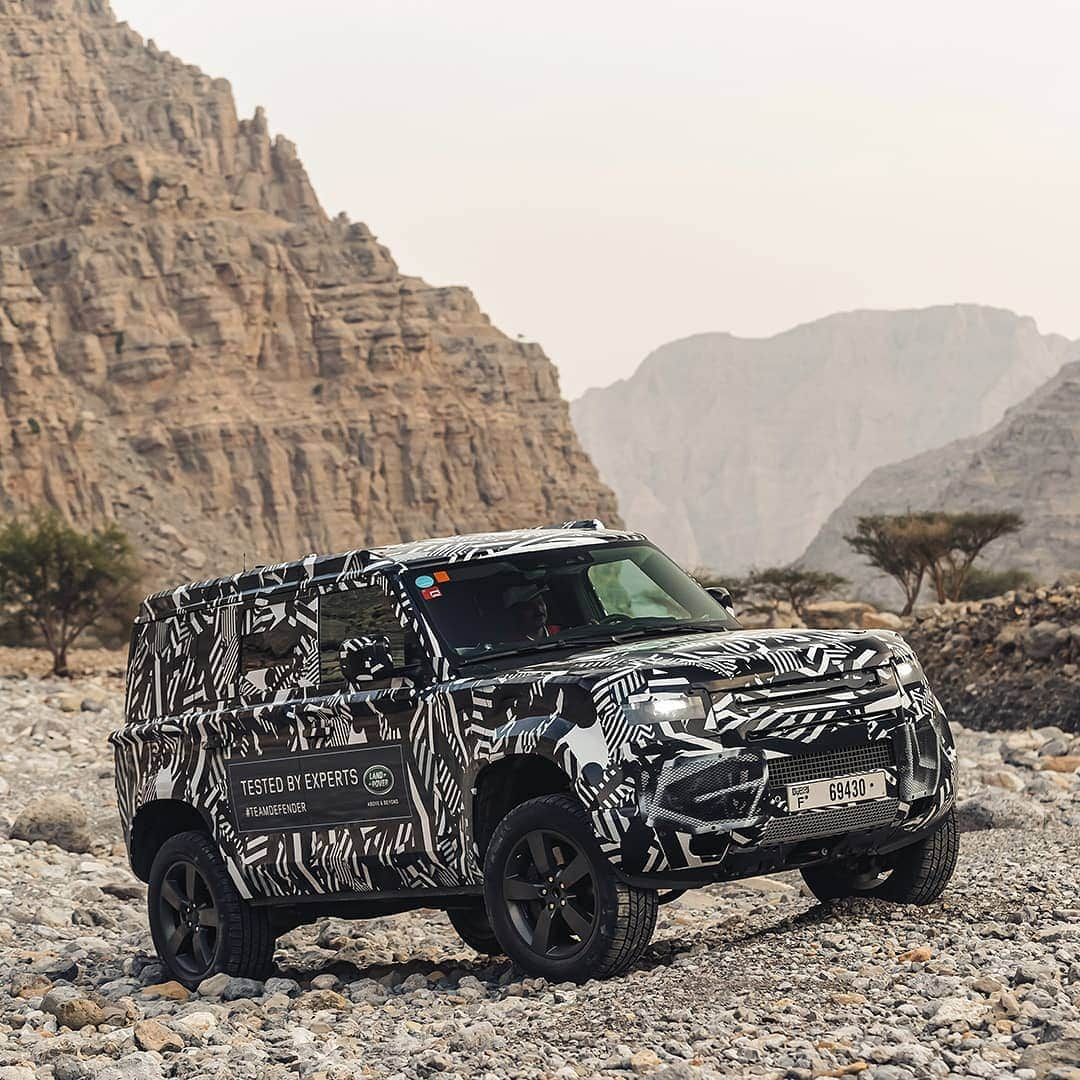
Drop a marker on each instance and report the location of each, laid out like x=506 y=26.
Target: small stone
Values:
x=1066 y=763
x=16 y=1072
x=196 y=1025
x=28 y=984
x=644 y=1060
x=125 y=890
x=289 y=987
x=155 y=1036
x=170 y=991
x=322 y=999
x=919 y=955
x=325 y=982
x=236 y=988
x=213 y=986
x=72 y=1008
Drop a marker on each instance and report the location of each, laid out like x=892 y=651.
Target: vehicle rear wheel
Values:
x=554 y=900
x=916 y=874
x=474 y=928
x=199 y=922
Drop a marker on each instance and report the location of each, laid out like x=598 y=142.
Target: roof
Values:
x=318 y=569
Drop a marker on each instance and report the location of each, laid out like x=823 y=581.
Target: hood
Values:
x=733 y=654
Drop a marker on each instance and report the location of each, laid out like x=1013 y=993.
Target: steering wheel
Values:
x=614 y=617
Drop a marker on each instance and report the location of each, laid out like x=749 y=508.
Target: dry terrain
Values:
x=754 y=978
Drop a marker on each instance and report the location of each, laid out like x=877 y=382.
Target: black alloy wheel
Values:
x=550 y=893
x=200 y=923
x=554 y=899
x=189 y=918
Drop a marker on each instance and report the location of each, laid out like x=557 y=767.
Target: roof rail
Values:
x=585 y=523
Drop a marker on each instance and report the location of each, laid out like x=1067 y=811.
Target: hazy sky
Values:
x=607 y=175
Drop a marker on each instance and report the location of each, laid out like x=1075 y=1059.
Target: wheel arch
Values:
x=154 y=823
x=507 y=782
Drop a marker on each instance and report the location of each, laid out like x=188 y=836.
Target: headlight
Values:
x=910 y=672
x=658 y=708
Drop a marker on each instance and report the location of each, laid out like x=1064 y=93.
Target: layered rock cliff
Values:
x=733 y=452
x=191 y=346
x=1029 y=462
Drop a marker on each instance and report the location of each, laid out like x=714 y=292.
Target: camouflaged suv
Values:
x=546 y=732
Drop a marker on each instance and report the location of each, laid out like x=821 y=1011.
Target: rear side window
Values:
x=277 y=646
x=364 y=611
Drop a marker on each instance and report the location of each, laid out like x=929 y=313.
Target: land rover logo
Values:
x=378 y=779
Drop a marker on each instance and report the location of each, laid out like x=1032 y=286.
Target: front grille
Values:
x=829 y=822
x=802 y=768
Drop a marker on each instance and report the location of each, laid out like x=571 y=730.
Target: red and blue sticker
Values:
x=428 y=584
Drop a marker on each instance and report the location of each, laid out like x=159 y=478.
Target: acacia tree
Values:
x=891 y=542
x=942 y=546
x=61 y=582
x=793 y=585
x=952 y=542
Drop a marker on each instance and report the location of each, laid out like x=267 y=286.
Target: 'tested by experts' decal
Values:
x=319 y=789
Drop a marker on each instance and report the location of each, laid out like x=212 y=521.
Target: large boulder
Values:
x=998 y=810
x=56 y=819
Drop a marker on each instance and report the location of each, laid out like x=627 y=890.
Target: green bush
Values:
x=981 y=584
x=57 y=583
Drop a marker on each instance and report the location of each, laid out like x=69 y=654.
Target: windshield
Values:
x=538 y=600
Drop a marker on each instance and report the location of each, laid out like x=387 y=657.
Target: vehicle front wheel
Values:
x=474 y=928
x=199 y=922
x=554 y=900
x=916 y=874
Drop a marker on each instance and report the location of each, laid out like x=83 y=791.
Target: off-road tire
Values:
x=624 y=917
x=244 y=944
x=474 y=928
x=918 y=874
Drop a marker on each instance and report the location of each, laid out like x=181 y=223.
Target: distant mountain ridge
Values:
x=732 y=452
x=1029 y=462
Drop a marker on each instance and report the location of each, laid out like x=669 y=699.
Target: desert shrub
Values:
x=982 y=583
x=59 y=583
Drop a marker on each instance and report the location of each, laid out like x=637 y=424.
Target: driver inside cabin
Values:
x=527 y=605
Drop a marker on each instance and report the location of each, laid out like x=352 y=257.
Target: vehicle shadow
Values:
x=444 y=974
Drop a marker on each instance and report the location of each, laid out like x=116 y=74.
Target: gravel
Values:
x=751 y=979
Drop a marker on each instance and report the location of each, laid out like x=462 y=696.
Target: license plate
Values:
x=837 y=791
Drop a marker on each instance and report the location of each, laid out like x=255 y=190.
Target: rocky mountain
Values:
x=191 y=346
x=732 y=451
x=1029 y=462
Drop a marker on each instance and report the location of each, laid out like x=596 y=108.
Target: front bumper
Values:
x=702 y=802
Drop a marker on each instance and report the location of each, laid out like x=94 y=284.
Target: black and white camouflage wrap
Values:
x=772 y=701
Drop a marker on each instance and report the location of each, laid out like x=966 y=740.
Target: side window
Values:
x=268 y=642
x=364 y=611
x=623 y=588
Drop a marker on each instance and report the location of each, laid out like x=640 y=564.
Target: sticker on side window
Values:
x=431 y=594
x=320 y=789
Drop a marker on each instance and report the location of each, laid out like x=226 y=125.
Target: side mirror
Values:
x=365 y=660
x=720 y=594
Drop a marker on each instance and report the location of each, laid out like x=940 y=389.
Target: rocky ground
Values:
x=748 y=979
x=1006 y=662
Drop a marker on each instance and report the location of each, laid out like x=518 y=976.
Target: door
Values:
x=330 y=803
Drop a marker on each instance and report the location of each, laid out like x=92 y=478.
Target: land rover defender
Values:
x=545 y=732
